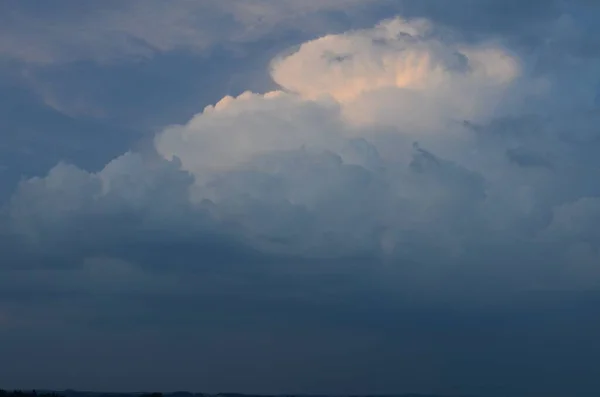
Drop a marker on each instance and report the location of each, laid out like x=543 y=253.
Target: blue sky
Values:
x=284 y=196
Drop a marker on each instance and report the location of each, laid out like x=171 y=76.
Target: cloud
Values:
x=114 y=31
x=69 y=197
x=401 y=63
x=388 y=143
x=420 y=193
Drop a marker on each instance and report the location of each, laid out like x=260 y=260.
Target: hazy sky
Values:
x=301 y=196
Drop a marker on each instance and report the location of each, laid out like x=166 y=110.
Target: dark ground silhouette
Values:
x=72 y=393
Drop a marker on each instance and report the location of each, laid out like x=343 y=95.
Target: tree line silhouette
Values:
x=72 y=393
x=20 y=393
x=33 y=393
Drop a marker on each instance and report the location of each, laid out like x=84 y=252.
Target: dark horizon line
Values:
x=66 y=392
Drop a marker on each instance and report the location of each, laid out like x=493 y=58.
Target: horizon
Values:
x=216 y=394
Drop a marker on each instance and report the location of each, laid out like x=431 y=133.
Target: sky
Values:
x=301 y=196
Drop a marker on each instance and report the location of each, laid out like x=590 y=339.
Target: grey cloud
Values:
x=121 y=29
x=524 y=158
x=338 y=197
x=114 y=30
x=438 y=265
x=424 y=349
x=34 y=138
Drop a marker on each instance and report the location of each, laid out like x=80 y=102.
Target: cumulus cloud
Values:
x=389 y=195
x=390 y=143
x=402 y=64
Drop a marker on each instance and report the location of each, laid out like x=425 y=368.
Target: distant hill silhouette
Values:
x=73 y=393
x=33 y=393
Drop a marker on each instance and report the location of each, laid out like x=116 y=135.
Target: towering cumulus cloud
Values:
x=395 y=143
x=399 y=73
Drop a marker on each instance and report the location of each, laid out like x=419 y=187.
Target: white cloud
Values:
x=236 y=130
x=400 y=73
x=328 y=165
